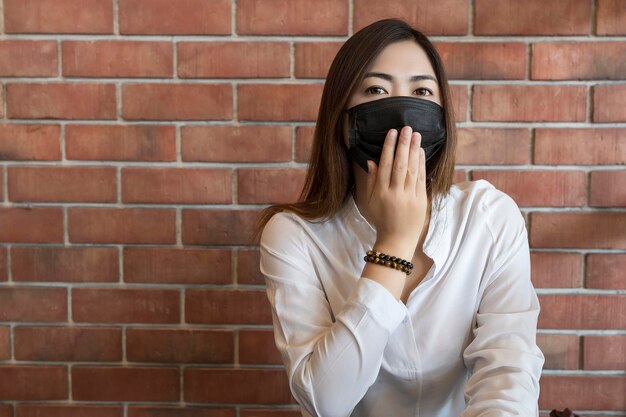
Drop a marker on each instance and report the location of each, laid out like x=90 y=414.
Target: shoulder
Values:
x=485 y=198
x=489 y=205
x=283 y=230
x=288 y=230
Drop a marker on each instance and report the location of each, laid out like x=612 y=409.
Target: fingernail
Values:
x=393 y=133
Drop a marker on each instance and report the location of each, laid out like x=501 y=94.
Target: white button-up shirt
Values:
x=463 y=345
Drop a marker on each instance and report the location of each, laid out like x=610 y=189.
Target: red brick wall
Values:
x=139 y=139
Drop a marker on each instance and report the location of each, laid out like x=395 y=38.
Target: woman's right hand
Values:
x=396 y=191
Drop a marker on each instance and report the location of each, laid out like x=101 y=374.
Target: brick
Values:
x=483 y=60
x=493 y=146
x=24 y=58
x=5 y=343
x=248 y=271
x=6 y=410
x=605 y=271
x=61 y=101
x=269 y=185
x=446 y=17
x=64 y=264
x=128 y=225
x=556 y=269
x=605 y=352
x=58 y=16
x=532 y=188
x=176 y=185
x=561 y=350
x=460 y=102
x=180 y=346
x=279 y=101
x=236 y=143
x=608 y=103
x=251 y=412
x=313 y=59
x=233 y=59
x=177 y=266
x=177 y=101
x=607 y=189
x=30 y=142
x=183 y=17
x=533 y=17
x=33 y=383
x=91 y=383
x=610 y=17
x=3 y=264
x=606 y=146
x=227 y=307
x=258 y=347
x=582 y=392
x=578 y=311
x=304 y=142
x=292 y=17
x=147 y=411
x=33 y=304
x=606 y=230
x=578 y=60
x=106 y=305
x=459 y=175
x=529 y=103
x=120 y=143
x=62 y=184
x=68 y=344
x=255 y=386
x=31 y=224
x=218 y=227
x=53 y=410
x=117 y=59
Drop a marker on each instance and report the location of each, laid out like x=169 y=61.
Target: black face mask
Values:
x=369 y=123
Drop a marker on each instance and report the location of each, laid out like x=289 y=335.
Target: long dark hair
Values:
x=330 y=178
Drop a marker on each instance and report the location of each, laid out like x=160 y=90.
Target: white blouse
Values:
x=463 y=345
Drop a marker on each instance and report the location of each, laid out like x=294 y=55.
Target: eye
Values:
x=424 y=92
x=375 y=90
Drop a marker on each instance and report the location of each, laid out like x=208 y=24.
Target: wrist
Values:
x=397 y=248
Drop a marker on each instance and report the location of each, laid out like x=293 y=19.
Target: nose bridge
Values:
x=400 y=87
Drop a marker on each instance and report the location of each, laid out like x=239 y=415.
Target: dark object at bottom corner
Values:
x=565 y=413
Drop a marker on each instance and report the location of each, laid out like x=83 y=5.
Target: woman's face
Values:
x=401 y=69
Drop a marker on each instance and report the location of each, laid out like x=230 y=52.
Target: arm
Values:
x=503 y=357
x=330 y=362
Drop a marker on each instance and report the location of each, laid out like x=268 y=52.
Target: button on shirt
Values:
x=463 y=345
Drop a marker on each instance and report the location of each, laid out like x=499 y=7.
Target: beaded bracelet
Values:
x=380 y=258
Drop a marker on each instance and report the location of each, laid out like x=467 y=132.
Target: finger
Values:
x=371 y=178
x=420 y=185
x=414 y=158
x=401 y=160
x=386 y=157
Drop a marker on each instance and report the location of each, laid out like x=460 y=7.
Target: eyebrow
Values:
x=390 y=78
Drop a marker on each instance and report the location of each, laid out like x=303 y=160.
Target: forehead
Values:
x=404 y=58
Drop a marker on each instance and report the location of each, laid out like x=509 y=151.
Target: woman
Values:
x=439 y=318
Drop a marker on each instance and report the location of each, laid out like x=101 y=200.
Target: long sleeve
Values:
x=503 y=357
x=330 y=361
